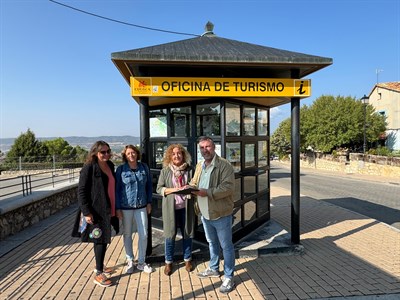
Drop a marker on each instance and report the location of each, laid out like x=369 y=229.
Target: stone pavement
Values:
x=343 y=255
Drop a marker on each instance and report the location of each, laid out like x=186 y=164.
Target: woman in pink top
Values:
x=96 y=199
x=177 y=209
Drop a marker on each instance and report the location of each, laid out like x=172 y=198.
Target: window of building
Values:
x=158 y=123
x=262 y=154
x=208 y=118
x=249 y=121
x=262 y=122
x=180 y=121
x=159 y=149
x=250 y=157
x=232 y=112
x=233 y=155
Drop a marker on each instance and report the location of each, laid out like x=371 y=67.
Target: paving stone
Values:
x=344 y=255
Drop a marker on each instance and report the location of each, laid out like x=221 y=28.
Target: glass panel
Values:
x=238 y=189
x=249 y=185
x=250 y=160
x=249 y=121
x=263 y=201
x=249 y=212
x=208 y=118
x=157 y=199
x=237 y=219
x=156 y=207
x=180 y=121
x=263 y=181
x=263 y=205
x=158 y=123
x=262 y=154
x=233 y=155
x=156 y=211
x=262 y=122
x=159 y=149
x=232 y=119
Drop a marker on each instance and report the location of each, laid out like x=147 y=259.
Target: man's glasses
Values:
x=106 y=152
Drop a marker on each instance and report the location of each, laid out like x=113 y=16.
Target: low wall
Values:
x=373 y=165
x=19 y=213
x=65 y=171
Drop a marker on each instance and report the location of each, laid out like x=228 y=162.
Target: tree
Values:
x=28 y=147
x=59 y=146
x=80 y=154
x=332 y=122
x=280 y=140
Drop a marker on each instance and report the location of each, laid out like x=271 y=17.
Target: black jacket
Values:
x=93 y=198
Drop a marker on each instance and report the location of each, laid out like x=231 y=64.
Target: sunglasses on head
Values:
x=105 y=152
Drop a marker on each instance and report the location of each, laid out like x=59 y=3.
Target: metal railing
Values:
x=25 y=184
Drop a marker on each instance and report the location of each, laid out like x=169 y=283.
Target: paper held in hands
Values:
x=186 y=190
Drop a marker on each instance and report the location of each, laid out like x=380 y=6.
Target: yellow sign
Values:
x=219 y=87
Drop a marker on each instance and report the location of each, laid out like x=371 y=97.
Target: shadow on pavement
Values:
x=375 y=211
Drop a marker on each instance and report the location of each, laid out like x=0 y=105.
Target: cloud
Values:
x=275 y=112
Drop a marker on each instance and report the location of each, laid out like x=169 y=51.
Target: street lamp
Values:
x=365 y=101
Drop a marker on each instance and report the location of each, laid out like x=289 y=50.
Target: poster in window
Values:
x=158 y=126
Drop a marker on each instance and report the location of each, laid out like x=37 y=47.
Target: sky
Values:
x=57 y=78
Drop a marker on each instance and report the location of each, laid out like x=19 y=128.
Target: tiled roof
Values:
x=211 y=48
x=215 y=53
x=394 y=86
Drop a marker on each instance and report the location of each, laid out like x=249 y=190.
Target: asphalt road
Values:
x=378 y=200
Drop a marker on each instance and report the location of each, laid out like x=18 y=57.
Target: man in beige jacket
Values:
x=214 y=177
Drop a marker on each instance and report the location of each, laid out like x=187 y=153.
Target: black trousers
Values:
x=99 y=255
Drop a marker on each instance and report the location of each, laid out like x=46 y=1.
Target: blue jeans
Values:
x=180 y=215
x=139 y=216
x=219 y=233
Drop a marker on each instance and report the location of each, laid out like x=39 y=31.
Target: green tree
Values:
x=280 y=139
x=27 y=147
x=80 y=154
x=332 y=122
x=59 y=147
x=64 y=151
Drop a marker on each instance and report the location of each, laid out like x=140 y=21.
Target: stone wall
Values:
x=28 y=214
x=354 y=164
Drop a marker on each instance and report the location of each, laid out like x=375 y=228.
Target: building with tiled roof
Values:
x=385 y=97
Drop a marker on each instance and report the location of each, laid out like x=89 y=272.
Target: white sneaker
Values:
x=129 y=267
x=227 y=285
x=145 y=268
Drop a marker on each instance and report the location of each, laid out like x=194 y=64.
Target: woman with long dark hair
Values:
x=96 y=199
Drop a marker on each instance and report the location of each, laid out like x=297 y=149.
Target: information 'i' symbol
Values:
x=300 y=89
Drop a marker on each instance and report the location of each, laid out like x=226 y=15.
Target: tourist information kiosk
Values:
x=222 y=88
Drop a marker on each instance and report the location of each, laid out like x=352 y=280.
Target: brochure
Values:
x=186 y=190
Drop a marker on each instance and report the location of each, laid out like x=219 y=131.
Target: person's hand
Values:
x=148 y=208
x=170 y=191
x=89 y=219
x=119 y=214
x=201 y=193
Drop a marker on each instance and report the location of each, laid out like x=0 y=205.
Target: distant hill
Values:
x=116 y=142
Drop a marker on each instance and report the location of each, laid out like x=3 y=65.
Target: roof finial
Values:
x=209 y=28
